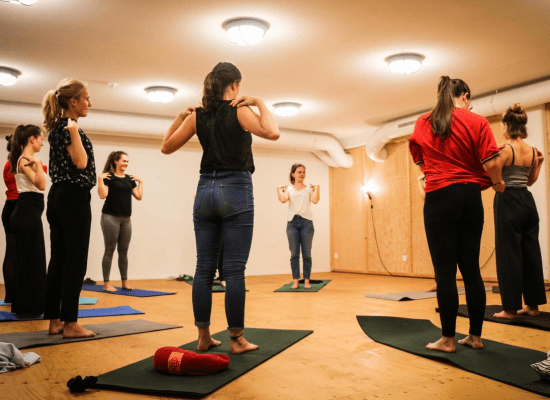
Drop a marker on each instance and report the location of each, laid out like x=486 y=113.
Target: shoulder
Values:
x=467 y=115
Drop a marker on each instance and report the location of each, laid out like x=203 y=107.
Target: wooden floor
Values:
x=338 y=361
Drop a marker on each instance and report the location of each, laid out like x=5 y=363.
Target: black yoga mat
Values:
x=541 y=322
x=141 y=376
x=316 y=285
x=27 y=340
x=498 y=361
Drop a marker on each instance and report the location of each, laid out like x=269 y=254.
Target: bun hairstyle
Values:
x=293 y=170
x=110 y=165
x=516 y=119
x=8 y=139
x=440 y=117
x=18 y=142
x=57 y=100
x=223 y=75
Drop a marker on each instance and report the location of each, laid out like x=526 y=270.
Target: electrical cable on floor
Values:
x=489 y=259
x=375 y=238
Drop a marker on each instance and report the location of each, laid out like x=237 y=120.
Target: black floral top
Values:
x=62 y=167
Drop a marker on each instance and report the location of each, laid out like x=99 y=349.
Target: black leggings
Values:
x=10 y=258
x=453 y=217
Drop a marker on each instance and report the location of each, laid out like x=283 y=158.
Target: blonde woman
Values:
x=300 y=221
x=72 y=171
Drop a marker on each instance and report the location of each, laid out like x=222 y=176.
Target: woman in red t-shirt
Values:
x=8 y=267
x=457 y=151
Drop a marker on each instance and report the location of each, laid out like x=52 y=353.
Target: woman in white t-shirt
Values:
x=300 y=225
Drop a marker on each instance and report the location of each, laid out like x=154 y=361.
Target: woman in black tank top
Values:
x=224 y=204
x=519 y=260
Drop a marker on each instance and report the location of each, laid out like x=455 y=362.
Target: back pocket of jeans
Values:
x=236 y=197
x=198 y=197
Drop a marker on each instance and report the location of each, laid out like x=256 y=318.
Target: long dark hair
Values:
x=18 y=142
x=293 y=170
x=57 y=100
x=441 y=115
x=110 y=165
x=516 y=119
x=8 y=139
x=215 y=83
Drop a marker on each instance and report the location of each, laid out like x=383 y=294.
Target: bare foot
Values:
x=506 y=314
x=432 y=289
x=296 y=284
x=240 y=345
x=126 y=286
x=223 y=283
x=472 y=341
x=445 y=344
x=109 y=288
x=73 y=330
x=306 y=284
x=532 y=311
x=206 y=341
x=56 y=327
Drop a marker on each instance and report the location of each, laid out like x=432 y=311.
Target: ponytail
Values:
x=110 y=165
x=18 y=142
x=8 y=139
x=441 y=116
x=216 y=82
x=58 y=100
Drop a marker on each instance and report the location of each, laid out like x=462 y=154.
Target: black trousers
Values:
x=30 y=266
x=519 y=261
x=453 y=218
x=10 y=257
x=70 y=219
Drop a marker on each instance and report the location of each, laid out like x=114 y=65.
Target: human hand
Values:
x=105 y=175
x=135 y=178
x=184 y=114
x=71 y=125
x=313 y=186
x=245 y=101
x=501 y=146
x=33 y=162
x=499 y=187
x=282 y=187
x=540 y=156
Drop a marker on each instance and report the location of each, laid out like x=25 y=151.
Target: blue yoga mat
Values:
x=92 y=312
x=124 y=292
x=83 y=301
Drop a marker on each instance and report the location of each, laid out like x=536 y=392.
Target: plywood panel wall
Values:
x=347 y=216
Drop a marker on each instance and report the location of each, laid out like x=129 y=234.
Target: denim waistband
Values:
x=225 y=174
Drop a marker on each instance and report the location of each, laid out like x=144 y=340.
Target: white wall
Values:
x=163 y=241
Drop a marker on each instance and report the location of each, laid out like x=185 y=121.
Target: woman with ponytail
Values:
x=224 y=203
x=72 y=171
x=8 y=266
x=26 y=220
x=519 y=260
x=458 y=155
x=117 y=189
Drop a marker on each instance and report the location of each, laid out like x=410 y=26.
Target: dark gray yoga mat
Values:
x=27 y=340
x=541 y=322
x=498 y=361
x=418 y=295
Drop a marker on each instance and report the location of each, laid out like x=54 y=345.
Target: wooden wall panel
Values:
x=347 y=216
x=390 y=215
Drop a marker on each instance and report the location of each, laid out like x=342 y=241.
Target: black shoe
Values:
x=89 y=281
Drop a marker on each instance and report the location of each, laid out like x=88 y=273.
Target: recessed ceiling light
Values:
x=287 y=109
x=404 y=63
x=8 y=76
x=245 y=31
x=160 y=94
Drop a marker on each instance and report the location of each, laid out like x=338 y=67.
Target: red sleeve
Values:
x=487 y=148
x=414 y=147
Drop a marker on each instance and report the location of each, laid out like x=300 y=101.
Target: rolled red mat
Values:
x=176 y=361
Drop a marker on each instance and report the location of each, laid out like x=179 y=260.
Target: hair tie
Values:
x=56 y=93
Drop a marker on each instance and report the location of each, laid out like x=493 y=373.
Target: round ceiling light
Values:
x=245 y=31
x=8 y=76
x=160 y=94
x=404 y=63
x=287 y=109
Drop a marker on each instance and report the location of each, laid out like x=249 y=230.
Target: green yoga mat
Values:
x=141 y=376
x=316 y=285
x=501 y=362
x=215 y=288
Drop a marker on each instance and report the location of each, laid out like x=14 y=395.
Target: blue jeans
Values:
x=224 y=207
x=300 y=233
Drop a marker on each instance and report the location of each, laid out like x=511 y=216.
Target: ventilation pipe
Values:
x=324 y=146
x=529 y=96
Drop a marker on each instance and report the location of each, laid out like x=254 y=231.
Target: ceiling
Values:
x=326 y=54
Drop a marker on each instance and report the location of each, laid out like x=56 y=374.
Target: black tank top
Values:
x=226 y=145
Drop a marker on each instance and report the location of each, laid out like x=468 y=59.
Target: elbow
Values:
x=41 y=186
x=81 y=165
x=165 y=150
x=275 y=135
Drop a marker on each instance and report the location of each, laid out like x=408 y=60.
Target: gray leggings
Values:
x=116 y=231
